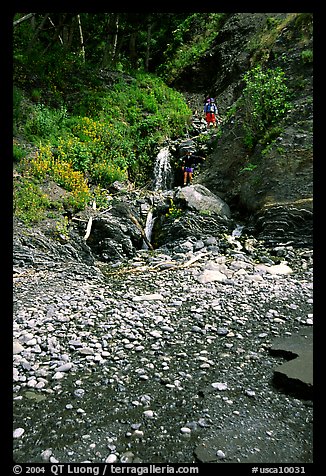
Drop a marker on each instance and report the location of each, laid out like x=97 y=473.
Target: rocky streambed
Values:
x=166 y=358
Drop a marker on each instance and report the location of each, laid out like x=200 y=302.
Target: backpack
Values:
x=210 y=107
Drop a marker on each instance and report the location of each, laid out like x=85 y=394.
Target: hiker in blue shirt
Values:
x=210 y=110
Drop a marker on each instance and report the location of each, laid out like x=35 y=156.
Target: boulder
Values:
x=199 y=198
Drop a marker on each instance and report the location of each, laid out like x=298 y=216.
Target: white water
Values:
x=162 y=181
x=148 y=228
x=236 y=233
x=162 y=170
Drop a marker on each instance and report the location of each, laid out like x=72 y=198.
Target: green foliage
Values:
x=248 y=168
x=18 y=153
x=100 y=196
x=265 y=101
x=307 y=56
x=44 y=122
x=272 y=22
x=173 y=211
x=116 y=140
x=270 y=135
x=62 y=227
x=16 y=107
x=205 y=213
x=106 y=173
x=190 y=41
x=29 y=203
x=304 y=23
x=262 y=44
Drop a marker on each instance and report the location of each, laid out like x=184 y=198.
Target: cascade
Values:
x=163 y=170
x=148 y=228
x=236 y=233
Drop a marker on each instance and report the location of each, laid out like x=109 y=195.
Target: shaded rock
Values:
x=17 y=348
x=285 y=223
x=210 y=275
x=206 y=453
x=115 y=234
x=42 y=245
x=190 y=224
x=296 y=375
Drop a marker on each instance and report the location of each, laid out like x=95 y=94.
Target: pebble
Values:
x=185 y=430
x=45 y=455
x=112 y=458
x=161 y=330
x=219 y=386
x=18 y=432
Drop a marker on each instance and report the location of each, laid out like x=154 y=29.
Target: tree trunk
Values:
x=115 y=39
x=56 y=32
x=132 y=50
x=81 y=38
x=149 y=36
x=25 y=17
x=111 y=47
x=38 y=30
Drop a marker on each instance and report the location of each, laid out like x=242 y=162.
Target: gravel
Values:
x=146 y=363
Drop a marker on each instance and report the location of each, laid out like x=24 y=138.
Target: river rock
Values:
x=199 y=198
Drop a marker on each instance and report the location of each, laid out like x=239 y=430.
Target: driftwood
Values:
x=129 y=215
x=159 y=267
x=141 y=229
x=90 y=222
x=88 y=229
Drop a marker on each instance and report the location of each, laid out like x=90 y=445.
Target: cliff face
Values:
x=272 y=183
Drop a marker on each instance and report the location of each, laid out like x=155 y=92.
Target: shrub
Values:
x=307 y=56
x=105 y=173
x=17 y=100
x=18 y=153
x=29 y=203
x=265 y=100
x=45 y=165
x=44 y=122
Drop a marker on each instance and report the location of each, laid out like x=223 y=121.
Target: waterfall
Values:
x=162 y=181
x=162 y=170
x=236 y=233
x=148 y=228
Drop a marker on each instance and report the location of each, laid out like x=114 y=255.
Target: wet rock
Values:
x=296 y=375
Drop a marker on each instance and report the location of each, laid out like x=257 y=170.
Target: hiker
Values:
x=210 y=110
x=189 y=161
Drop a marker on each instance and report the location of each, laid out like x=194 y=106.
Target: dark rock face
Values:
x=272 y=182
x=42 y=246
x=189 y=224
x=114 y=238
x=285 y=223
x=194 y=212
x=220 y=69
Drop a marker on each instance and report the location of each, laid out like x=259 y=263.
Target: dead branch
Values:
x=88 y=229
x=25 y=17
x=136 y=222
